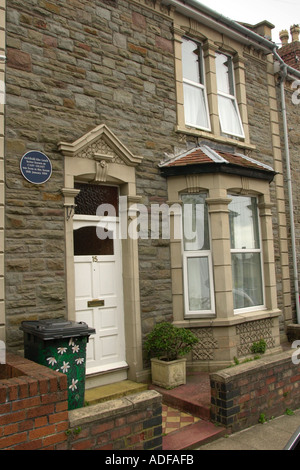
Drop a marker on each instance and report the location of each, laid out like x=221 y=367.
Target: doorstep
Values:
x=113 y=391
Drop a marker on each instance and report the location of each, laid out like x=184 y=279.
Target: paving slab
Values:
x=272 y=435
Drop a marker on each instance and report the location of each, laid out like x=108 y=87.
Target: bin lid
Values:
x=56 y=328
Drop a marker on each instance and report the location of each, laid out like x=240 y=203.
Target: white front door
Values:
x=99 y=292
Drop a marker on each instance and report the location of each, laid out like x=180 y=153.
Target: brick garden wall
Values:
x=240 y=394
x=131 y=423
x=34 y=414
x=33 y=406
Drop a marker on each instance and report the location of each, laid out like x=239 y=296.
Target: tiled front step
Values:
x=193 y=398
x=192 y=436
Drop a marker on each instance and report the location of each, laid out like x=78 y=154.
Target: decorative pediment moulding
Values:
x=101 y=145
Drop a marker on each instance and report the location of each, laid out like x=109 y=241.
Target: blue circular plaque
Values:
x=36 y=167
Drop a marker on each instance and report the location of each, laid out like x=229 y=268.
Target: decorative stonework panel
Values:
x=254 y=331
x=204 y=350
x=98 y=147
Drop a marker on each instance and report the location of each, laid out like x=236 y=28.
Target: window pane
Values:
x=243 y=219
x=198 y=284
x=247 y=280
x=191 y=60
x=195 y=107
x=195 y=222
x=87 y=243
x=229 y=116
x=224 y=74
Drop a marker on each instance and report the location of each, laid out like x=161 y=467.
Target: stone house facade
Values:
x=144 y=108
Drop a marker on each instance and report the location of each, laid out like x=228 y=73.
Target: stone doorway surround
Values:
x=100 y=157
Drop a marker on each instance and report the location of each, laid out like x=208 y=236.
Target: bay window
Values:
x=246 y=253
x=197 y=262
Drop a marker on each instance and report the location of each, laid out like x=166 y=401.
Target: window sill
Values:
x=213 y=137
x=230 y=321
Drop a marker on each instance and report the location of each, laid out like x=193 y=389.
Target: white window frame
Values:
x=232 y=98
x=186 y=255
x=198 y=254
x=201 y=86
x=254 y=250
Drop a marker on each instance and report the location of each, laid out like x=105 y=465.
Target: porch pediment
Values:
x=100 y=144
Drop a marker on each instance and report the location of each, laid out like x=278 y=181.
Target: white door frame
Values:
x=84 y=161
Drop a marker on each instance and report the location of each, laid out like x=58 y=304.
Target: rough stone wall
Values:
x=293 y=124
x=70 y=67
x=258 y=108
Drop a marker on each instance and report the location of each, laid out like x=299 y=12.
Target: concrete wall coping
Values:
x=112 y=408
x=250 y=367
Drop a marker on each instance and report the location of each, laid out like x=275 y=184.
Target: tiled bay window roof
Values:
x=204 y=159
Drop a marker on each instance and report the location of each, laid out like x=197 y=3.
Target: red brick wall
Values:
x=269 y=386
x=33 y=406
x=290 y=54
x=131 y=423
x=34 y=414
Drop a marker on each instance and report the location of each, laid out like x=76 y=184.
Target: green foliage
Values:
x=262 y=418
x=289 y=412
x=259 y=347
x=73 y=432
x=167 y=341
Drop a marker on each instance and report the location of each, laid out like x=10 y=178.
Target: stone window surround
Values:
x=114 y=166
x=210 y=44
x=218 y=187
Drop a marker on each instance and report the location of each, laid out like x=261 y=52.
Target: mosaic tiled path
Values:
x=173 y=420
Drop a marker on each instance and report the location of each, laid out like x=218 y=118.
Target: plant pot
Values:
x=168 y=374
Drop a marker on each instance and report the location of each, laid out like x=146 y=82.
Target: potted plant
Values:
x=166 y=345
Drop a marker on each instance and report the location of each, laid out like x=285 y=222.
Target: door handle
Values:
x=95 y=303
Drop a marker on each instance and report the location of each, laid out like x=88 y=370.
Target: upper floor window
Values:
x=195 y=99
x=229 y=115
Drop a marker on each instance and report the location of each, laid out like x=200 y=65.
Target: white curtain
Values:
x=195 y=107
x=229 y=116
x=198 y=283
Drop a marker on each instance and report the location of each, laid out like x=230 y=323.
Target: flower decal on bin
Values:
x=69 y=358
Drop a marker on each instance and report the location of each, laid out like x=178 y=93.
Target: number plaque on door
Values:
x=95 y=303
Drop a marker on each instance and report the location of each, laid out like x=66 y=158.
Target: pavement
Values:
x=272 y=435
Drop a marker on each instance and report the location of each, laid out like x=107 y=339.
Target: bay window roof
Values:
x=204 y=159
